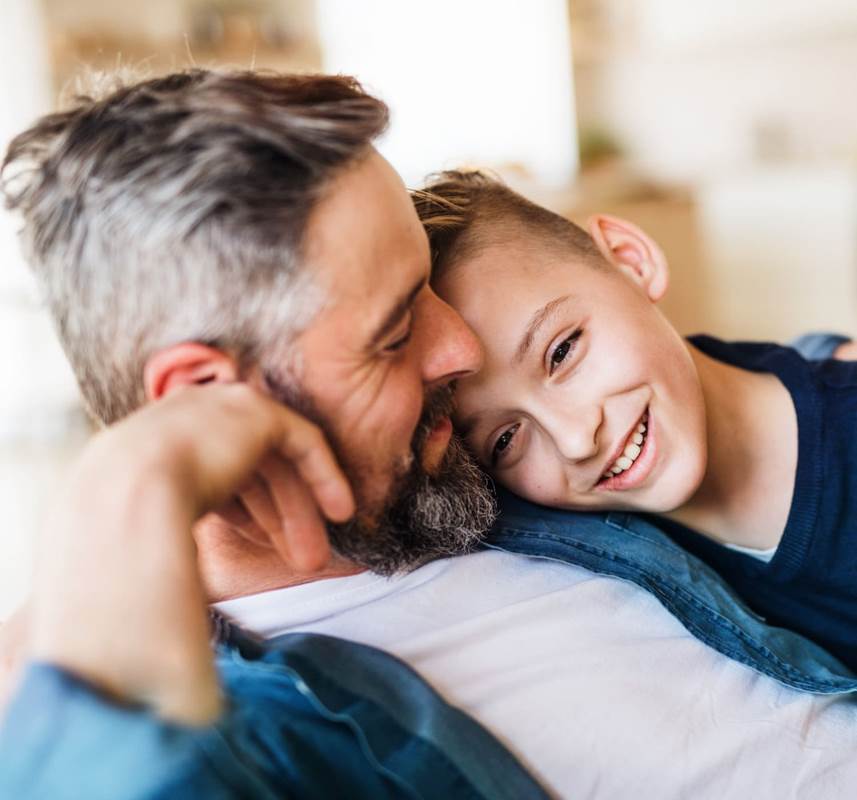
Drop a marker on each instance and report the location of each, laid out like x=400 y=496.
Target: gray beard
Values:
x=424 y=516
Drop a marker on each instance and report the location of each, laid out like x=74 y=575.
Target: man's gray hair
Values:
x=174 y=210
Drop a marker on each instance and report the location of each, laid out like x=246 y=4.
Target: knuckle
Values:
x=239 y=396
x=314 y=434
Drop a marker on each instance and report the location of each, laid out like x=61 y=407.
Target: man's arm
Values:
x=120 y=697
x=13 y=641
x=118 y=599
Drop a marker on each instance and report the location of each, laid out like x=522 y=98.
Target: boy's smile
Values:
x=634 y=460
x=588 y=398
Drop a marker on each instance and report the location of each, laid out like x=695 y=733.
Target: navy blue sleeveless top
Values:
x=810 y=585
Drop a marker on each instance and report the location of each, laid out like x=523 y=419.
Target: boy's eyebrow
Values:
x=536 y=321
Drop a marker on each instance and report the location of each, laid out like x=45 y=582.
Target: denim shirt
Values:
x=308 y=716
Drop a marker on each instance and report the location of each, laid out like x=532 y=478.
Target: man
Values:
x=201 y=263
x=221 y=252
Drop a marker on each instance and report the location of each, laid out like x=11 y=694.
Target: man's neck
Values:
x=751 y=423
x=232 y=566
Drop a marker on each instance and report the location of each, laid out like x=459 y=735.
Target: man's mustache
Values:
x=439 y=403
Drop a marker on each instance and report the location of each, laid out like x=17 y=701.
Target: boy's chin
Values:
x=669 y=491
x=679 y=486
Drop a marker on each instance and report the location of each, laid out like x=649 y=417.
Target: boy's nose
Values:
x=574 y=430
x=451 y=350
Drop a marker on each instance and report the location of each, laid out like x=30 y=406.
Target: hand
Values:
x=118 y=598
x=275 y=509
x=13 y=641
x=846 y=352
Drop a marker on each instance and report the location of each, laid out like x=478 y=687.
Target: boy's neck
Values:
x=746 y=493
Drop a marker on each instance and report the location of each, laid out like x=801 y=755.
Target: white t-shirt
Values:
x=596 y=688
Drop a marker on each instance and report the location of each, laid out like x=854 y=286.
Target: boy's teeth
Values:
x=629 y=455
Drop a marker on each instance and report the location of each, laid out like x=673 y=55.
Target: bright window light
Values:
x=483 y=82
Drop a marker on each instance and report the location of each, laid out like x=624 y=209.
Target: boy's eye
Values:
x=562 y=350
x=502 y=443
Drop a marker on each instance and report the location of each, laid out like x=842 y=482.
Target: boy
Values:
x=589 y=399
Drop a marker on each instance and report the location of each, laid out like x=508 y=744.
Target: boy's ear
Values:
x=186 y=364
x=628 y=248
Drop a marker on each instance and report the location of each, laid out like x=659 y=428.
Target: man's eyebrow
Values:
x=536 y=321
x=395 y=314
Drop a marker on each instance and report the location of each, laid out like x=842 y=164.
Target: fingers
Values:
x=303 y=531
x=238 y=518
x=255 y=498
x=304 y=446
x=228 y=441
x=276 y=505
x=251 y=424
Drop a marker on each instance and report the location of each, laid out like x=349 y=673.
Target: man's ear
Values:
x=628 y=248
x=185 y=364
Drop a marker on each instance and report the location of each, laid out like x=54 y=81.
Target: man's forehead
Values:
x=364 y=245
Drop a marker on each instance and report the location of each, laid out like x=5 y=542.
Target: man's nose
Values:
x=574 y=428
x=450 y=348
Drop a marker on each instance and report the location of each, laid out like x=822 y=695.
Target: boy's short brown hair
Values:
x=463 y=211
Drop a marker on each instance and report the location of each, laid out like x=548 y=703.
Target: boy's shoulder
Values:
x=757 y=356
x=805 y=361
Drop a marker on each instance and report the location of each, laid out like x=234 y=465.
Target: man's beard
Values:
x=424 y=516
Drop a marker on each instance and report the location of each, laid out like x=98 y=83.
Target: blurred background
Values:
x=720 y=128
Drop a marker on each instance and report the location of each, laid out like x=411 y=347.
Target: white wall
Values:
x=684 y=25
x=748 y=104
x=37 y=387
x=694 y=88
x=484 y=82
x=37 y=392
x=163 y=19
x=781 y=248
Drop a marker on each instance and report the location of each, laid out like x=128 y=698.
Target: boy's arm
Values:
x=818 y=346
x=846 y=351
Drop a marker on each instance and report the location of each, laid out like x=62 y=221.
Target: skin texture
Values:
x=550 y=420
